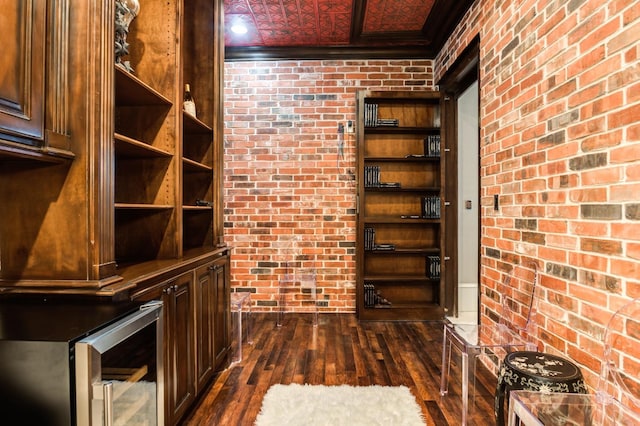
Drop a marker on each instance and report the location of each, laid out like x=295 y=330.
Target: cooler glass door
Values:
x=119 y=372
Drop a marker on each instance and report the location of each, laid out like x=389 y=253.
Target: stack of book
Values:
x=370 y=115
x=431 y=207
x=372 y=179
x=371 y=176
x=433 y=267
x=369 y=295
x=384 y=247
x=387 y=122
x=432 y=146
x=369 y=238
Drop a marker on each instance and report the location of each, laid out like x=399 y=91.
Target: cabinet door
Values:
x=178 y=343
x=22 y=71
x=222 y=312
x=180 y=348
x=205 y=304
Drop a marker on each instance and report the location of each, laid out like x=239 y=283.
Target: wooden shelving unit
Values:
x=166 y=160
x=400 y=225
x=117 y=193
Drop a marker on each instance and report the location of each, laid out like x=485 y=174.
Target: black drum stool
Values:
x=535 y=371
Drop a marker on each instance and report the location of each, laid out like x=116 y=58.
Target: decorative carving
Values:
x=126 y=11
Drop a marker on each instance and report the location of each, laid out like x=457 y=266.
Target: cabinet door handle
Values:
x=168 y=290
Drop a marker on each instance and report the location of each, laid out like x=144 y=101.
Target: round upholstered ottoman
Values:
x=535 y=371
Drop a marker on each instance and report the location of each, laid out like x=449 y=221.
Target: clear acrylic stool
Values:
x=240 y=306
x=297 y=292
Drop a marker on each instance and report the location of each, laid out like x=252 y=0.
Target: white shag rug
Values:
x=339 y=405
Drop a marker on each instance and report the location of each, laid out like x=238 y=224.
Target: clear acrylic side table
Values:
x=240 y=307
x=534 y=408
x=297 y=292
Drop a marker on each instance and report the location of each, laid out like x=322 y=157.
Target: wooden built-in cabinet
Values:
x=177 y=297
x=399 y=206
x=107 y=187
x=145 y=179
x=196 y=318
x=212 y=318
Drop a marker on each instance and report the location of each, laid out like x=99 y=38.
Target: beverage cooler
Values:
x=80 y=362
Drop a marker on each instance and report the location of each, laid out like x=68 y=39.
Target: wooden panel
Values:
x=183 y=386
x=22 y=72
x=204 y=305
x=222 y=312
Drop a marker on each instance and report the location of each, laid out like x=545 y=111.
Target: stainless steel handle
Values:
x=108 y=403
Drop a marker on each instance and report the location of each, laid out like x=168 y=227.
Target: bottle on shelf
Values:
x=189 y=105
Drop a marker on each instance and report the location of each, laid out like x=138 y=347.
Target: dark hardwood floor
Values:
x=341 y=350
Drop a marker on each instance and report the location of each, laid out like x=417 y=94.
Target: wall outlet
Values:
x=350 y=127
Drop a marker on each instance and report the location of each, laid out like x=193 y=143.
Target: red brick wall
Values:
x=560 y=144
x=282 y=177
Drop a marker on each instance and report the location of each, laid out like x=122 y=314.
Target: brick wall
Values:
x=284 y=180
x=560 y=144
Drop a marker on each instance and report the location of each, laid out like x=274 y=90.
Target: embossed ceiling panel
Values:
x=329 y=28
x=396 y=15
x=289 y=22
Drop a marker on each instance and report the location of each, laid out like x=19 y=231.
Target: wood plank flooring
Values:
x=341 y=350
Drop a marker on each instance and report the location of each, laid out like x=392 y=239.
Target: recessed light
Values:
x=239 y=28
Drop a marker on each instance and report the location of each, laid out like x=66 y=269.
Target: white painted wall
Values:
x=468 y=175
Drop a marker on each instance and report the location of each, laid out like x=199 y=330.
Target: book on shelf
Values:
x=371 y=176
x=369 y=295
x=369 y=238
x=370 y=115
x=372 y=179
x=384 y=247
x=433 y=267
x=431 y=207
x=432 y=146
x=387 y=122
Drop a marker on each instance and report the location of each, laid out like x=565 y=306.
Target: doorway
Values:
x=468 y=205
x=462 y=188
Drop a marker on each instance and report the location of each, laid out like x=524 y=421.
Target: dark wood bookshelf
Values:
x=399 y=167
